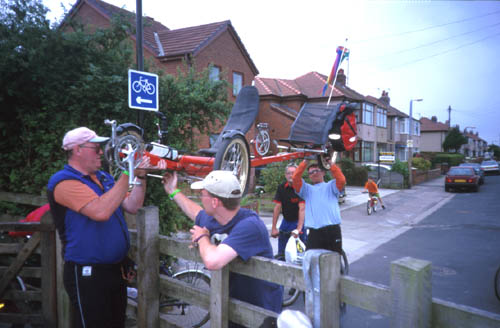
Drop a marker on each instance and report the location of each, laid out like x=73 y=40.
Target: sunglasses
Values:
x=96 y=149
x=314 y=171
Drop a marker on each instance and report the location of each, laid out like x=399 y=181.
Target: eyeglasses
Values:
x=314 y=171
x=96 y=149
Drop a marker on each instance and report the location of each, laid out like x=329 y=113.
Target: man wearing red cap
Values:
x=87 y=206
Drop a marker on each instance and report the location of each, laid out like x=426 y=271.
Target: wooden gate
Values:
x=28 y=268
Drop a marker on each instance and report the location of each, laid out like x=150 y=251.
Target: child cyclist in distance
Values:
x=372 y=188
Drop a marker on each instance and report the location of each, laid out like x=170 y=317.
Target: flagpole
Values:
x=335 y=77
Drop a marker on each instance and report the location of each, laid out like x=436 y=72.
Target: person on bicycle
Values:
x=293 y=209
x=322 y=206
x=372 y=189
x=223 y=231
x=87 y=206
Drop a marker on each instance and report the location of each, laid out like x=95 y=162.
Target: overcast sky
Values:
x=446 y=53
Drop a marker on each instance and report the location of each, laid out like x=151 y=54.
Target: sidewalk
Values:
x=362 y=233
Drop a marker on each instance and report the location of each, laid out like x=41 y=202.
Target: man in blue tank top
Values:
x=87 y=204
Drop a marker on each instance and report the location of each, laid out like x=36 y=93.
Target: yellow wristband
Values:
x=175 y=192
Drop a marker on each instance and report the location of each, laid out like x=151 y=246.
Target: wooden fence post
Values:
x=219 y=298
x=411 y=293
x=48 y=261
x=147 y=259
x=322 y=277
x=64 y=307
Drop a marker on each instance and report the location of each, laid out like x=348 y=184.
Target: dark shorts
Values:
x=98 y=294
x=327 y=237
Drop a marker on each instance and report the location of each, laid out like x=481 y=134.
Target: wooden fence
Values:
x=407 y=301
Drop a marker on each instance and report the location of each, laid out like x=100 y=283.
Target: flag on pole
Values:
x=342 y=53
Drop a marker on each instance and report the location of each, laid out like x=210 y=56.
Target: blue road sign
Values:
x=142 y=90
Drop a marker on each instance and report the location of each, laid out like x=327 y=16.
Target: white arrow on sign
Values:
x=140 y=100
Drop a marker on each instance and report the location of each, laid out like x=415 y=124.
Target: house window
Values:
x=381 y=117
x=237 y=83
x=403 y=125
x=416 y=128
x=214 y=74
x=368 y=113
x=367 y=152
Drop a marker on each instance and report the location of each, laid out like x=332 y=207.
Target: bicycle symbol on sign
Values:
x=143 y=85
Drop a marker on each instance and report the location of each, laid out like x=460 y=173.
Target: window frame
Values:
x=368 y=108
x=237 y=88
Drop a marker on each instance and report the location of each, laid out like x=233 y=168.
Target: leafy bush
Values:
x=401 y=167
x=354 y=175
x=450 y=159
x=272 y=176
x=421 y=164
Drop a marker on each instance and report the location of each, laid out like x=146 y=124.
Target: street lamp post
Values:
x=410 y=143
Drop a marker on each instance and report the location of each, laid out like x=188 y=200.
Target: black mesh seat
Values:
x=242 y=116
x=313 y=124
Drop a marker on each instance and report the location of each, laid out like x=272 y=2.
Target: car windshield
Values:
x=460 y=171
x=489 y=163
x=470 y=164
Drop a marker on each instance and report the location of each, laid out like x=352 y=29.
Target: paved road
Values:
x=457 y=232
x=363 y=233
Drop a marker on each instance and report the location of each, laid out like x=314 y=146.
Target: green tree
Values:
x=454 y=140
x=53 y=80
x=495 y=150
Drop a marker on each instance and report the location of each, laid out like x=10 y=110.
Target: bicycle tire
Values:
x=369 y=208
x=184 y=314
x=234 y=155
x=344 y=263
x=497 y=283
x=290 y=294
x=375 y=206
x=262 y=142
x=136 y=86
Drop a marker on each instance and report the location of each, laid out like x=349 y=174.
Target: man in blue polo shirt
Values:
x=223 y=231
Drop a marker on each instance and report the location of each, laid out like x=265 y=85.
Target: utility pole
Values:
x=449 y=116
x=410 y=143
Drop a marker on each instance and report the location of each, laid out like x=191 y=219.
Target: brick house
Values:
x=433 y=134
x=397 y=128
x=282 y=99
x=216 y=43
x=475 y=146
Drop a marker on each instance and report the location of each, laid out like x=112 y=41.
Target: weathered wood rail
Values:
x=408 y=301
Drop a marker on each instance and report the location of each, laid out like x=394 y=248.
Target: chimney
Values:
x=341 y=78
x=434 y=119
x=385 y=97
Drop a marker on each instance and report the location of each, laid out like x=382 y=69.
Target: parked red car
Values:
x=461 y=178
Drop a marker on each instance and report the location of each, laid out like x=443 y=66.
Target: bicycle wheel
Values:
x=181 y=313
x=136 y=86
x=262 y=142
x=497 y=284
x=369 y=208
x=344 y=264
x=290 y=294
x=375 y=206
x=233 y=155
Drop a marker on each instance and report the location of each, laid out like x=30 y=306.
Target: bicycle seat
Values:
x=316 y=121
x=242 y=116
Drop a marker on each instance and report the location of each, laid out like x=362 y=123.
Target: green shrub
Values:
x=401 y=167
x=354 y=175
x=272 y=176
x=451 y=159
x=421 y=164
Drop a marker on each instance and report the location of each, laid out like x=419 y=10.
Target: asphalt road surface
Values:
x=461 y=239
